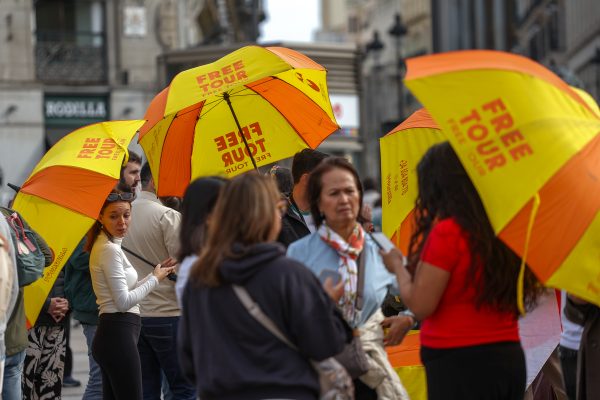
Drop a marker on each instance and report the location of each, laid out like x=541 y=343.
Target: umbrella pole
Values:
x=226 y=97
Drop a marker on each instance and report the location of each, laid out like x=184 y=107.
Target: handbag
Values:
x=334 y=381
x=353 y=357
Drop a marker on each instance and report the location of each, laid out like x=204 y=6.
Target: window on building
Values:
x=70 y=44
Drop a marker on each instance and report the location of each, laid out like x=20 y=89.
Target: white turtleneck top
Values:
x=115 y=280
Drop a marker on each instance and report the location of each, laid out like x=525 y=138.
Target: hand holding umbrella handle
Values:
x=172 y=276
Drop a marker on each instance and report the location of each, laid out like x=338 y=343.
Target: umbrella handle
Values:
x=226 y=97
x=172 y=276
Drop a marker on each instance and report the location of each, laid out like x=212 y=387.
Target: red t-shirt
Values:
x=456 y=322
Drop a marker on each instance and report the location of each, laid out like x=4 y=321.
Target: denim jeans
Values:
x=93 y=390
x=158 y=351
x=13 y=369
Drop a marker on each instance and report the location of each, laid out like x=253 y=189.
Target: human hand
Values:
x=58 y=308
x=393 y=259
x=397 y=327
x=168 y=263
x=335 y=292
x=161 y=272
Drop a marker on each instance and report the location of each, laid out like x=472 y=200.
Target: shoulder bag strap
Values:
x=360 y=284
x=254 y=310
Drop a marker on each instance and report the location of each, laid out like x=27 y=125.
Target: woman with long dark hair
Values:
x=463 y=288
x=224 y=349
x=198 y=202
x=118 y=293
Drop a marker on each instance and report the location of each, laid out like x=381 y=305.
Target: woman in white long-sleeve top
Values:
x=118 y=293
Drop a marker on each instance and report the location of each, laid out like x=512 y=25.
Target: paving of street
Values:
x=80 y=364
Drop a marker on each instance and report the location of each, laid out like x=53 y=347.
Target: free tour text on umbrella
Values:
x=491 y=149
x=233 y=150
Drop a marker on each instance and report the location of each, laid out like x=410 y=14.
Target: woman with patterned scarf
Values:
x=335 y=195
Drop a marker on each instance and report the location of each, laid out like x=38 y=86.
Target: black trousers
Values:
x=485 y=372
x=115 y=350
x=568 y=361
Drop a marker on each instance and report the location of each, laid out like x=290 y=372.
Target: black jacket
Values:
x=293 y=226
x=227 y=354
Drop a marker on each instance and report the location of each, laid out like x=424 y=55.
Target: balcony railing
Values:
x=71 y=58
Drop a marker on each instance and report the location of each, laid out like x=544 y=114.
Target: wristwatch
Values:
x=411 y=314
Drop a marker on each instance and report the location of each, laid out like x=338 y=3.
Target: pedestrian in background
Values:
x=80 y=293
x=154 y=234
x=16 y=336
x=298 y=222
x=339 y=244
x=118 y=293
x=130 y=173
x=464 y=288
x=198 y=202
x=44 y=365
x=223 y=349
x=588 y=362
x=8 y=286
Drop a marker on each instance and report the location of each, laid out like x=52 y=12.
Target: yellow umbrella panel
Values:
x=401 y=150
x=530 y=144
x=277 y=107
x=65 y=192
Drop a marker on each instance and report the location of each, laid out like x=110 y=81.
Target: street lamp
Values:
x=397 y=31
x=375 y=46
x=596 y=60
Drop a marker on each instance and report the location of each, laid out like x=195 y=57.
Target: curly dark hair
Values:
x=446 y=191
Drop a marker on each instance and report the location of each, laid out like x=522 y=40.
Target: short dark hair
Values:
x=198 y=202
x=134 y=157
x=315 y=185
x=369 y=183
x=145 y=174
x=283 y=177
x=305 y=162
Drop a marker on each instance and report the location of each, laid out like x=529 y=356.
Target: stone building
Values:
x=69 y=63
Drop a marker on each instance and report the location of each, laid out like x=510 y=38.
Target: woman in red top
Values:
x=463 y=289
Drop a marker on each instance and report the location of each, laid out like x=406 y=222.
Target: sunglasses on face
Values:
x=127 y=196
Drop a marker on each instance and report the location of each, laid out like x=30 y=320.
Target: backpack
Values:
x=6 y=276
x=30 y=258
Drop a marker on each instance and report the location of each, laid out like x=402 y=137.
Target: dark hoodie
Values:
x=227 y=354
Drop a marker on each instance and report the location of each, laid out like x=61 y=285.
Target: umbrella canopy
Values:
x=252 y=107
x=526 y=139
x=63 y=196
x=401 y=150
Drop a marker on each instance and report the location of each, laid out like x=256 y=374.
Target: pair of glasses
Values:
x=126 y=196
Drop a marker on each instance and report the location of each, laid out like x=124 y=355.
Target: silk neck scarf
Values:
x=348 y=252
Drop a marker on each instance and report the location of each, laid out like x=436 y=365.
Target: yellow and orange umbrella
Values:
x=401 y=150
x=406 y=360
x=63 y=196
x=252 y=107
x=530 y=144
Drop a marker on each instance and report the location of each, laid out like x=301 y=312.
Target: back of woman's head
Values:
x=446 y=191
x=198 y=202
x=244 y=214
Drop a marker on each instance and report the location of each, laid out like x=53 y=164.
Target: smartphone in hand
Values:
x=382 y=241
x=330 y=273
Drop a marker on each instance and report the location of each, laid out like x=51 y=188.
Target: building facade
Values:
x=386 y=32
x=65 y=64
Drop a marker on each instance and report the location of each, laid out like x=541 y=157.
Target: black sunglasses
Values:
x=126 y=196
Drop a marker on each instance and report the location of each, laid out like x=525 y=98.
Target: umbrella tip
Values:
x=13 y=187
